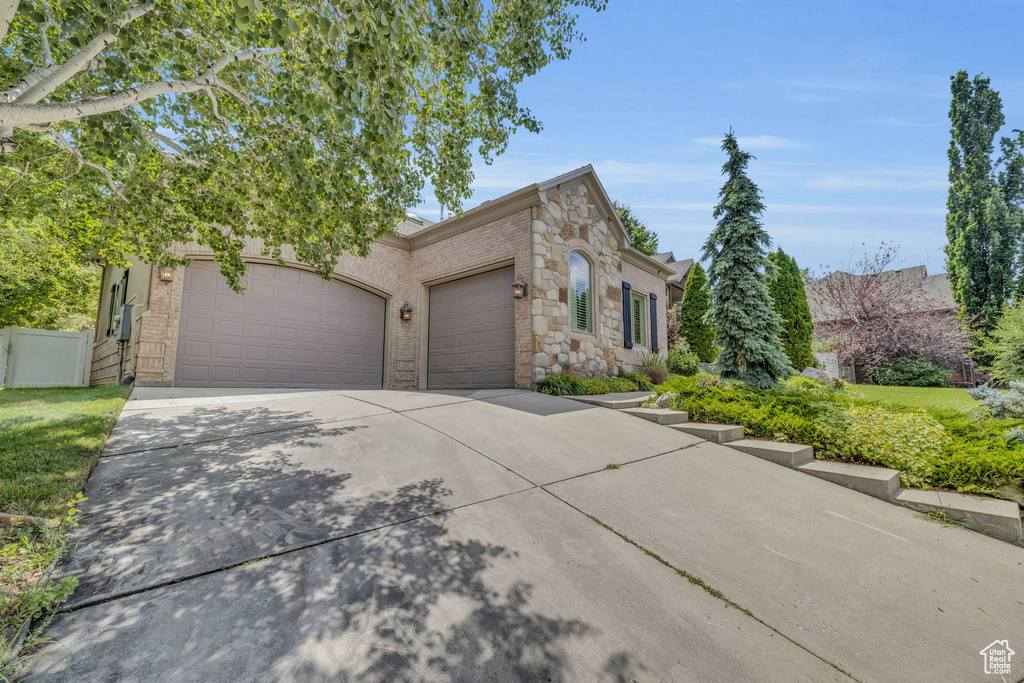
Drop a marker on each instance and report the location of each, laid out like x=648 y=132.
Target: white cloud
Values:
x=882 y=179
x=755 y=142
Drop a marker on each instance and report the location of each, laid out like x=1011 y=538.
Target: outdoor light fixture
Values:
x=405 y=312
x=519 y=289
x=165 y=273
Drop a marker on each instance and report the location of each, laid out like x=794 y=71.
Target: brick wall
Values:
x=396 y=273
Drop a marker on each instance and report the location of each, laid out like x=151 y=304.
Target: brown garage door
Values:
x=472 y=332
x=291 y=328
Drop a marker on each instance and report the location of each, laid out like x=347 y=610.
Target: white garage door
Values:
x=291 y=328
x=472 y=332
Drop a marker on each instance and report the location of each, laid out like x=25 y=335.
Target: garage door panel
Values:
x=472 y=332
x=277 y=333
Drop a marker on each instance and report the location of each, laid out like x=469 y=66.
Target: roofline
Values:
x=524 y=198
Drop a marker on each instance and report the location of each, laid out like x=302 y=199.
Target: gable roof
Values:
x=932 y=296
x=410 y=235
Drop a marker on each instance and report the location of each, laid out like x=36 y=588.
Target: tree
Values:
x=874 y=314
x=1005 y=346
x=643 y=238
x=304 y=125
x=46 y=281
x=692 y=313
x=984 y=218
x=741 y=309
x=786 y=288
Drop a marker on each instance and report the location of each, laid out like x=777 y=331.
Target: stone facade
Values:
x=533 y=230
x=571 y=220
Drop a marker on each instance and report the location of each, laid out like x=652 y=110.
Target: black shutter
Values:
x=654 y=323
x=627 y=315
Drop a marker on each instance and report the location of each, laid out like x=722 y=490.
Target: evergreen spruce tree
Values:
x=694 y=306
x=741 y=309
x=786 y=288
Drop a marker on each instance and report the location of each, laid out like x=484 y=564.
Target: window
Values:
x=118 y=296
x=581 y=305
x=639 y=319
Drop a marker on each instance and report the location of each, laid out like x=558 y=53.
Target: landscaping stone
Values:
x=665 y=400
x=788 y=454
x=706 y=368
x=616 y=401
x=998 y=518
x=815 y=373
x=659 y=415
x=879 y=482
x=712 y=432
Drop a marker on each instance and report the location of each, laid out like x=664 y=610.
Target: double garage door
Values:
x=291 y=328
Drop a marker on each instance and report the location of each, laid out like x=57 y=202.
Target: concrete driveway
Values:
x=477 y=535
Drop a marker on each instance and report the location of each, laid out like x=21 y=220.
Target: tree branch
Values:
x=21 y=115
x=183 y=154
x=8 y=8
x=82 y=161
x=80 y=61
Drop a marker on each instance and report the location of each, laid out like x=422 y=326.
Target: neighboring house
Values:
x=918 y=292
x=434 y=306
x=676 y=282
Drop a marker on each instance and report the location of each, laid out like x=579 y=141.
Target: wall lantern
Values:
x=405 y=312
x=519 y=289
x=165 y=273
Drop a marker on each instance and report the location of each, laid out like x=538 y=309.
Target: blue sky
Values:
x=843 y=103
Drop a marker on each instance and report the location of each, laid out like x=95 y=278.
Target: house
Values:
x=539 y=281
x=676 y=283
x=913 y=290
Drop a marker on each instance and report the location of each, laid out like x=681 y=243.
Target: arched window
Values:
x=581 y=302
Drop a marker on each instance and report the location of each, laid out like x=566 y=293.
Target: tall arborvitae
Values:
x=983 y=218
x=741 y=309
x=694 y=307
x=786 y=287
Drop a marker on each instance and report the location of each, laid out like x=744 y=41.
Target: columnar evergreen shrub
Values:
x=693 y=326
x=786 y=288
x=741 y=311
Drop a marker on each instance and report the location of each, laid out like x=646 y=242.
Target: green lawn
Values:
x=916 y=397
x=50 y=439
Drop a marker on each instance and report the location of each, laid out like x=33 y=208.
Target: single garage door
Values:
x=291 y=328
x=472 y=332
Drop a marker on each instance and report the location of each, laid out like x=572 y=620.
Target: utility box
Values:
x=124 y=324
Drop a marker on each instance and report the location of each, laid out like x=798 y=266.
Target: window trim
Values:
x=639 y=322
x=573 y=320
x=119 y=290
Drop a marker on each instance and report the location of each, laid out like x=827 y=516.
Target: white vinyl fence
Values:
x=44 y=358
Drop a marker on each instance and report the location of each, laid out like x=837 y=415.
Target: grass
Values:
x=50 y=440
x=915 y=397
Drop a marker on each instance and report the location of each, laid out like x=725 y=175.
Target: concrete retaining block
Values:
x=618 y=401
x=662 y=416
x=998 y=518
x=879 y=482
x=711 y=432
x=788 y=454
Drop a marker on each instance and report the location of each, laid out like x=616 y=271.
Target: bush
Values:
x=805 y=383
x=681 y=360
x=1005 y=346
x=564 y=384
x=643 y=382
x=908 y=442
x=654 y=366
x=910 y=372
x=1002 y=404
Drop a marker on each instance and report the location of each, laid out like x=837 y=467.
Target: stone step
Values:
x=711 y=432
x=998 y=518
x=662 y=416
x=619 y=401
x=788 y=454
x=879 y=482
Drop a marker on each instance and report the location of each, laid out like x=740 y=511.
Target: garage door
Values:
x=472 y=332
x=291 y=328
